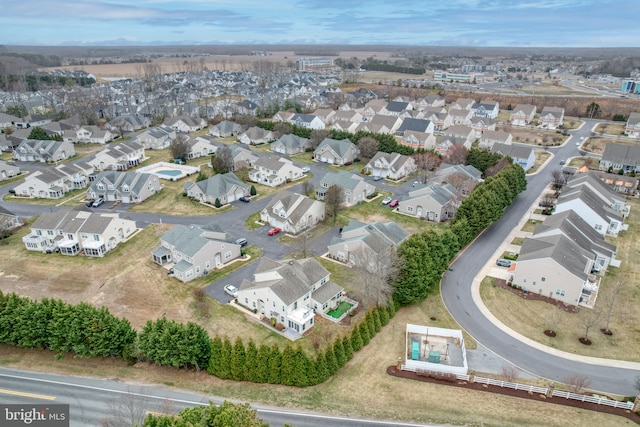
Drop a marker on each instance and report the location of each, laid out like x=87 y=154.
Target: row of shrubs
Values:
x=88 y=331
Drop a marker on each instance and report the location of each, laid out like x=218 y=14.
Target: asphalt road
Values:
x=456 y=294
x=94 y=401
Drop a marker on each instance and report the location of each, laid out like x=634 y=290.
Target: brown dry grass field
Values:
x=541 y=157
x=531 y=318
x=535 y=136
x=596 y=145
x=610 y=128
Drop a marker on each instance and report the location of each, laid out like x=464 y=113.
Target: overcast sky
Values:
x=546 y=23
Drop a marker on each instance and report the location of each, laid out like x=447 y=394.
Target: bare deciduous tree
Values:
x=577 y=382
x=457 y=155
x=558 y=179
x=317 y=136
x=307 y=188
x=282 y=129
x=373 y=274
x=130 y=409
x=334 y=200
x=368 y=147
x=590 y=319
x=223 y=160
x=179 y=147
x=610 y=300
x=509 y=373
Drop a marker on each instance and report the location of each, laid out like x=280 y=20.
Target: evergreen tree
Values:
x=364 y=332
x=384 y=315
x=338 y=350
x=371 y=327
x=392 y=308
x=238 y=360
x=302 y=368
x=251 y=362
x=253 y=191
x=320 y=372
x=275 y=366
x=288 y=370
x=262 y=364
x=331 y=361
x=217 y=203
x=348 y=348
x=356 y=339
x=216 y=357
x=225 y=359
x=377 y=326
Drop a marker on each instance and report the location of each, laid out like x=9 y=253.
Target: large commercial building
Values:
x=314 y=64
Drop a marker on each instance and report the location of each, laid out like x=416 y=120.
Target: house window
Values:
x=49 y=232
x=246 y=300
x=598 y=227
x=197 y=269
x=311 y=321
x=323 y=280
x=70 y=236
x=39 y=232
x=409 y=208
x=543 y=278
x=560 y=292
x=227 y=255
x=207 y=264
x=96 y=237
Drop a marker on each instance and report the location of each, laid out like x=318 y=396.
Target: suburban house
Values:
x=8 y=220
x=390 y=165
x=490 y=137
x=351 y=116
x=127 y=187
x=225 y=129
x=157 y=138
x=620 y=156
x=308 y=121
x=282 y=116
x=441 y=120
x=573 y=227
x=274 y=171
x=430 y=100
x=419 y=125
x=291 y=292
x=416 y=140
x=356 y=189
x=433 y=202
x=372 y=127
x=191 y=251
x=462 y=104
x=463 y=177
x=54 y=183
x=373 y=108
x=224 y=187
x=128 y=123
x=89 y=135
x=632 y=127
x=45 y=151
x=556 y=267
x=7 y=120
x=551 y=117
x=292 y=212
x=118 y=157
x=622 y=184
x=336 y=152
x=242 y=157
x=78 y=174
x=592 y=210
x=464 y=133
x=198 y=146
x=290 y=144
x=481 y=125
x=389 y=122
x=395 y=108
x=185 y=124
x=486 y=109
x=77 y=230
x=523 y=114
x=255 y=135
x=371 y=246
x=460 y=116
x=325 y=114
x=9 y=142
x=7 y=170
x=608 y=196
x=520 y=155
x=345 y=126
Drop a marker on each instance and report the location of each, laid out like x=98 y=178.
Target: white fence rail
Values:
x=591 y=399
x=507 y=384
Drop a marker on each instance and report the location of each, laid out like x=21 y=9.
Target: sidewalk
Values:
x=491 y=270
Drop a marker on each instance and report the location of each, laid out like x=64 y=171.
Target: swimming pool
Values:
x=170 y=172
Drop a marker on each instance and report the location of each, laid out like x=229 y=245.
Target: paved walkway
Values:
x=491 y=270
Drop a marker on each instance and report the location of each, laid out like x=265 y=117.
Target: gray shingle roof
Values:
x=564 y=251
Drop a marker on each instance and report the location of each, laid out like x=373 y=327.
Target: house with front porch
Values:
x=481 y=125
x=520 y=154
x=157 y=138
x=462 y=104
x=226 y=187
x=620 y=156
x=198 y=146
x=126 y=187
x=608 y=196
x=355 y=188
x=390 y=165
x=8 y=171
x=371 y=246
x=391 y=123
x=490 y=137
x=433 y=202
x=91 y=135
x=291 y=292
x=44 y=151
x=573 y=227
x=522 y=114
x=551 y=117
x=461 y=132
x=485 y=109
x=558 y=268
x=274 y=171
x=8 y=220
x=44 y=184
x=192 y=251
x=292 y=212
x=592 y=210
x=118 y=157
x=290 y=144
x=185 y=124
x=417 y=140
x=336 y=152
x=632 y=127
x=460 y=116
x=77 y=230
x=242 y=157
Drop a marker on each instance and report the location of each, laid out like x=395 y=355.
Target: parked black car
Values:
x=244 y=199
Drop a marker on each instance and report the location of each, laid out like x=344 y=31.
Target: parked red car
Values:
x=394 y=203
x=273 y=231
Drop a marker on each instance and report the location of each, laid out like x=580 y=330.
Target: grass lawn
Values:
x=541 y=157
x=374 y=211
x=71 y=198
x=596 y=145
x=354 y=167
x=571 y=123
x=251 y=223
x=540 y=137
x=517 y=241
x=578 y=162
x=609 y=128
x=530 y=225
x=342 y=308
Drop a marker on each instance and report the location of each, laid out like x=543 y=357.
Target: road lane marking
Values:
x=22 y=394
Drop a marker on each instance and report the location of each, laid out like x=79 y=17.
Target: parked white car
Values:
x=231 y=290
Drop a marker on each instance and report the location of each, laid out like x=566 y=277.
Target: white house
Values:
x=292 y=212
x=520 y=155
x=274 y=171
x=390 y=165
x=308 y=121
x=552 y=117
x=356 y=189
x=523 y=114
x=592 y=210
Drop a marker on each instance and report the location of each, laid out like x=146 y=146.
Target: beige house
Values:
x=255 y=135
x=185 y=124
x=558 y=268
x=632 y=127
x=434 y=202
x=390 y=165
x=224 y=187
x=292 y=212
x=416 y=140
x=336 y=152
x=34 y=150
x=75 y=231
x=552 y=117
x=191 y=251
x=274 y=171
x=490 y=137
x=523 y=114
x=356 y=189
x=119 y=157
x=157 y=138
x=8 y=171
x=127 y=187
x=53 y=183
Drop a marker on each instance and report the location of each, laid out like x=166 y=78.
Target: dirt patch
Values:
x=391 y=370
